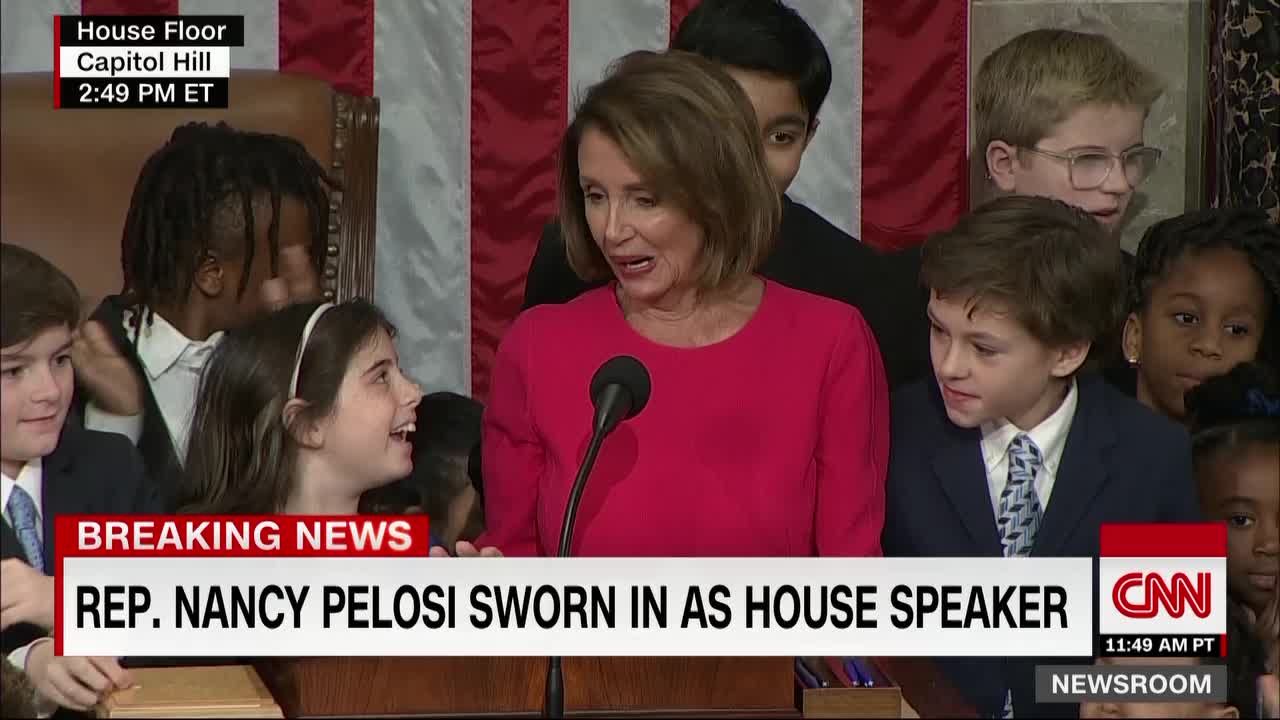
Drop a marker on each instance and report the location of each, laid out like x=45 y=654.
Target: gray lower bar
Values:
x=1130 y=683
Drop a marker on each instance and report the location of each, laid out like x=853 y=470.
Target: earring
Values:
x=1133 y=362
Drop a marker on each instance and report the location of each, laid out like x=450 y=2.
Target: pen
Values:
x=864 y=675
x=807 y=676
x=873 y=671
x=823 y=670
x=854 y=679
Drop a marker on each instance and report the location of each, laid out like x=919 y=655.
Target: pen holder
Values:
x=842 y=700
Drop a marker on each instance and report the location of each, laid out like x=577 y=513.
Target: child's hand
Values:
x=74 y=682
x=108 y=375
x=1269 y=695
x=465 y=549
x=297 y=282
x=26 y=595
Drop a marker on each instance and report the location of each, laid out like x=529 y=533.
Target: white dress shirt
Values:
x=173 y=364
x=31 y=479
x=1050 y=436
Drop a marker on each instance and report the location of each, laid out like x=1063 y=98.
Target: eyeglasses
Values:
x=1089 y=169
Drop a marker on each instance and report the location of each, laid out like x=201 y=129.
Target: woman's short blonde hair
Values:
x=690 y=131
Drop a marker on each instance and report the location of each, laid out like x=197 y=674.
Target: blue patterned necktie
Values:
x=1020 y=511
x=26 y=525
x=1019 y=505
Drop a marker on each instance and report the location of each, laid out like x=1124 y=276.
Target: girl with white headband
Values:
x=300 y=413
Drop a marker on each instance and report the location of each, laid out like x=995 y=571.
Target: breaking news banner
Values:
x=1163 y=590
x=144 y=61
x=322 y=586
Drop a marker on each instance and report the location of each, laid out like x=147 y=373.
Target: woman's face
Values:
x=653 y=247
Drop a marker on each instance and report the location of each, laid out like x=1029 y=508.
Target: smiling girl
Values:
x=300 y=413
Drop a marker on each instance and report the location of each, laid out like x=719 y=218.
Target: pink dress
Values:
x=773 y=442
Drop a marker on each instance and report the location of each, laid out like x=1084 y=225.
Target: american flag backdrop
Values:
x=475 y=94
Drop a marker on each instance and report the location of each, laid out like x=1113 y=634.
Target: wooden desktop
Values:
x=734 y=687
x=354 y=686
x=453 y=687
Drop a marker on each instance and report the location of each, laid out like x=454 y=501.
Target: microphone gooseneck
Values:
x=619 y=391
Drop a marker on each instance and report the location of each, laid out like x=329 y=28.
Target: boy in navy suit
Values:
x=1008 y=450
x=49 y=467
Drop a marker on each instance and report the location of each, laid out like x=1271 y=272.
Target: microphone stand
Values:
x=606 y=419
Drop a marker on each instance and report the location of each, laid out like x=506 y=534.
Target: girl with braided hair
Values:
x=1236 y=449
x=1203 y=298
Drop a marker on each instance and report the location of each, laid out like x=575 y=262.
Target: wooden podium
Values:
x=680 y=686
x=444 y=687
x=355 y=686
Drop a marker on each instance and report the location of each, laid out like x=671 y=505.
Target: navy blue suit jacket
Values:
x=87 y=473
x=1121 y=463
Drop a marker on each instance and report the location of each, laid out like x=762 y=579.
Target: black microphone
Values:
x=619 y=391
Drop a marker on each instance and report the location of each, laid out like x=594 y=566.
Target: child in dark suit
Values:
x=49 y=467
x=1009 y=450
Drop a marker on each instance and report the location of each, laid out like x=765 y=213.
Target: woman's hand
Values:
x=465 y=549
x=1269 y=695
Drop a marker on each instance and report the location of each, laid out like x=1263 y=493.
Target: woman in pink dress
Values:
x=766 y=433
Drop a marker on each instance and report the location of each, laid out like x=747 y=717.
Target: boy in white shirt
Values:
x=223 y=225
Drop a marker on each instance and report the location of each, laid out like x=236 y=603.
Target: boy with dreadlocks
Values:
x=223 y=224
x=1204 y=297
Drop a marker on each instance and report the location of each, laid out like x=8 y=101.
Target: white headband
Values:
x=302 y=345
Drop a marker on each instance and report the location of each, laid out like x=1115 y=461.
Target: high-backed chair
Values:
x=66 y=176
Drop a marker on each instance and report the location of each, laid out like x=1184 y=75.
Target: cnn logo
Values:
x=1140 y=595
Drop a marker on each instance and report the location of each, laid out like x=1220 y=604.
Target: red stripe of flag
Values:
x=329 y=39
x=58 y=625
x=1163 y=540
x=128 y=7
x=57 y=61
x=914 y=119
x=679 y=9
x=519 y=103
